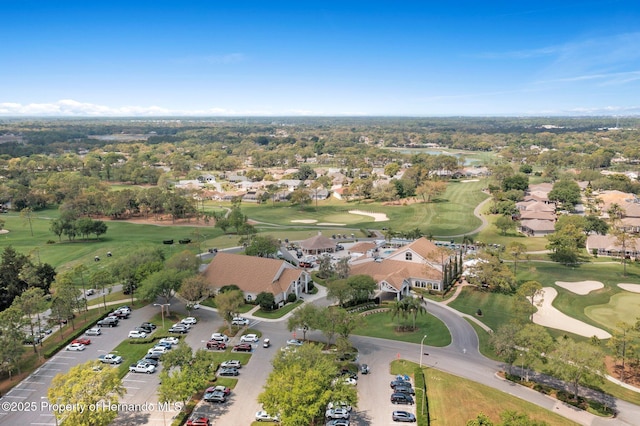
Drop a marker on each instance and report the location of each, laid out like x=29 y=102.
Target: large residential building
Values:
x=254 y=275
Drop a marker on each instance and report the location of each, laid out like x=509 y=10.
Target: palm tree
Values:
x=399 y=309
x=415 y=308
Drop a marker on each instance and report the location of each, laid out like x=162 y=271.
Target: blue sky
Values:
x=412 y=58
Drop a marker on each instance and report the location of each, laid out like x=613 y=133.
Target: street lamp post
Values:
x=162 y=305
x=421 y=353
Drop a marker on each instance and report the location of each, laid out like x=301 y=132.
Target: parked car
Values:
x=401 y=398
x=189 y=321
x=135 y=334
x=220 y=337
x=214 y=344
x=151 y=361
x=215 y=396
x=364 y=369
x=82 y=341
x=263 y=416
x=108 y=322
x=75 y=347
x=234 y=363
x=89 y=292
x=95 y=331
x=158 y=350
x=149 y=325
x=166 y=345
x=179 y=324
x=146 y=329
x=242 y=347
x=154 y=357
x=110 y=359
x=398 y=382
x=120 y=314
x=178 y=329
x=338 y=422
x=403 y=416
x=337 y=413
x=142 y=367
x=249 y=338
x=405 y=389
x=228 y=372
x=223 y=389
x=239 y=321
x=294 y=342
x=169 y=340
x=198 y=421
x=339 y=404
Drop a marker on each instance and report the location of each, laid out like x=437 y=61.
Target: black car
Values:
x=152 y=357
x=149 y=325
x=404 y=389
x=401 y=398
x=399 y=382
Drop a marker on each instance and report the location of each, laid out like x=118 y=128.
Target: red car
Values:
x=198 y=421
x=82 y=340
x=242 y=347
x=214 y=344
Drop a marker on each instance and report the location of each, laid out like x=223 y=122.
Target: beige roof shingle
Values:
x=251 y=274
x=395 y=271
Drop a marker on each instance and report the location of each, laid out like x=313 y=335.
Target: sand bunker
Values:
x=4 y=231
x=331 y=224
x=377 y=217
x=304 y=221
x=548 y=316
x=634 y=288
x=580 y=287
x=469 y=180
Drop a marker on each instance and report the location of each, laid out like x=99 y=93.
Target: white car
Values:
x=170 y=340
x=135 y=334
x=157 y=350
x=294 y=342
x=234 y=363
x=219 y=337
x=249 y=338
x=93 y=332
x=189 y=321
x=263 y=416
x=76 y=347
x=239 y=321
x=337 y=413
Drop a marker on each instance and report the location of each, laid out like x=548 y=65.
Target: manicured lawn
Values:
x=450 y=214
x=383 y=326
x=622 y=306
x=454 y=401
x=121 y=238
x=278 y=313
x=496 y=308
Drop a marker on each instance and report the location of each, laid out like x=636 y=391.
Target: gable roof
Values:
x=318 y=242
x=251 y=274
x=422 y=247
x=396 y=271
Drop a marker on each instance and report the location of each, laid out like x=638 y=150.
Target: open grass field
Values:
x=496 y=308
x=450 y=214
x=383 y=326
x=454 y=400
